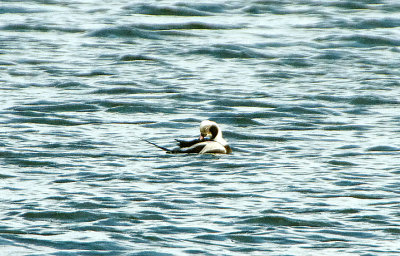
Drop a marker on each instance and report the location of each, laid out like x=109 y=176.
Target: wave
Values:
x=32 y=163
x=300 y=110
x=206 y=7
x=359 y=4
x=358 y=41
x=95 y=72
x=51 y=107
x=76 y=216
x=129 y=90
x=40 y=28
x=371 y=23
x=276 y=7
x=192 y=25
x=242 y=103
x=134 y=107
x=230 y=51
x=276 y=220
x=124 y=31
x=242 y=136
x=341 y=163
x=347 y=127
x=4 y=9
x=46 y=120
x=57 y=84
x=225 y=195
x=68 y=84
x=359 y=100
x=250 y=115
x=356 y=23
x=156 y=31
x=383 y=148
x=178 y=9
x=137 y=57
x=363 y=40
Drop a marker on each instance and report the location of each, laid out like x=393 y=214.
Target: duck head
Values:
x=209 y=128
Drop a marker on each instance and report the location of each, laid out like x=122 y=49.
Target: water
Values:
x=306 y=92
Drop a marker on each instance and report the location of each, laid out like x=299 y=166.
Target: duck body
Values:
x=203 y=147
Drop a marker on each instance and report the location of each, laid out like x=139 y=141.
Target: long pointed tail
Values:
x=160 y=147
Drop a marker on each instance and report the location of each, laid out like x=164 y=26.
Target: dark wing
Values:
x=189 y=143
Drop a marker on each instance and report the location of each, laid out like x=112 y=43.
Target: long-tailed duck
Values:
x=210 y=141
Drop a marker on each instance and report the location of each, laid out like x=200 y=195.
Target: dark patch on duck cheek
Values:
x=213 y=131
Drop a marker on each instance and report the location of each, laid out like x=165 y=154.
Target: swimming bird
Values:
x=210 y=141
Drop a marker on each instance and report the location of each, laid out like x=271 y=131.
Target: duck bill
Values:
x=202 y=137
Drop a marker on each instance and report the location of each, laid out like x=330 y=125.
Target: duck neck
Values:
x=220 y=139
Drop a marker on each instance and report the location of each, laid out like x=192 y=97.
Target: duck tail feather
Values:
x=160 y=147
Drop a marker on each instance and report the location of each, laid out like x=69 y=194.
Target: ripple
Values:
x=242 y=103
x=348 y=182
x=341 y=127
x=17 y=9
x=131 y=57
x=148 y=253
x=373 y=23
x=371 y=41
x=32 y=163
x=51 y=107
x=40 y=28
x=178 y=230
x=91 y=205
x=133 y=90
x=348 y=233
x=372 y=100
x=151 y=9
x=139 y=107
x=151 y=215
x=77 y=216
x=352 y=5
x=367 y=196
x=241 y=136
x=383 y=148
x=250 y=115
x=154 y=31
x=275 y=220
x=48 y=121
x=341 y=163
x=395 y=231
x=162 y=205
x=124 y=31
x=96 y=72
x=224 y=195
x=247 y=238
x=229 y=52
x=298 y=110
x=357 y=100
x=4 y=176
x=192 y=25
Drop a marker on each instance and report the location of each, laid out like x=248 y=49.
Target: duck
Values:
x=209 y=142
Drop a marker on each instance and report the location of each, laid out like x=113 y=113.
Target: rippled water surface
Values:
x=307 y=94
